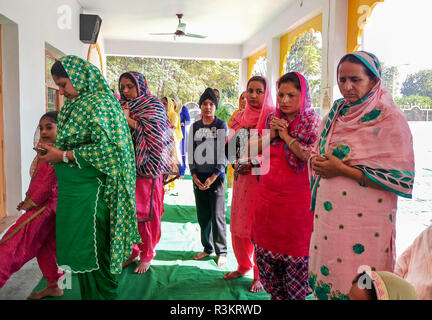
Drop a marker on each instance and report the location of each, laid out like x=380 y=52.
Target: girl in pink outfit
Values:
x=282 y=223
x=259 y=105
x=33 y=235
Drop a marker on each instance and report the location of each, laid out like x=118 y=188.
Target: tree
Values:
x=186 y=78
x=414 y=101
x=389 y=76
x=305 y=58
x=419 y=83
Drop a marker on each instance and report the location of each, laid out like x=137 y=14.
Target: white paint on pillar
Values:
x=11 y=116
x=24 y=67
x=243 y=79
x=334 y=35
x=273 y=53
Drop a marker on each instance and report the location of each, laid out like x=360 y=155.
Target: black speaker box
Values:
x=89 y=28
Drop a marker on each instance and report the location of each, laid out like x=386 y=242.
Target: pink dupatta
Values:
x=251 y=117
x=303 y=127
x=245 y=186
x=372 y=134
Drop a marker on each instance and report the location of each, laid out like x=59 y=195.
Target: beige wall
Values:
x=28 y=26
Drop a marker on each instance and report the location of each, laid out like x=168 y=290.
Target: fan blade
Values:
x=195 y=35
x=161 y=34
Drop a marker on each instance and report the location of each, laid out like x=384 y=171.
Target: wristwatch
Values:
x=65 y=158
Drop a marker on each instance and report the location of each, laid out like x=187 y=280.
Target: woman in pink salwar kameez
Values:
x=259 y=105
x=154 y=145
x=282 y=223
x=363 y=160
x=33 y=235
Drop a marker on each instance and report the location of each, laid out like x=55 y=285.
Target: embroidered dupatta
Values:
x=303 y=127
x=372 y=135
x=94 y=127
x=153 y=137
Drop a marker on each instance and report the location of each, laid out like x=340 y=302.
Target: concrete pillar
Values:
x=273 y=53
x=12 y=127
x=334 y=43
x=243 y=79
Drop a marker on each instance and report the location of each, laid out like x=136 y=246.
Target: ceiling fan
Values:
x=180 y=31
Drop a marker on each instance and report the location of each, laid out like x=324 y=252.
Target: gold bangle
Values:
x=34 y=204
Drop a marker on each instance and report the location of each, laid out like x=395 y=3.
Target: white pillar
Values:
x=273 y=53
x=11 y=116
x=334 y=43
x=243 y=79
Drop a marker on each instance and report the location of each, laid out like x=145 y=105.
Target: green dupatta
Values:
x=94 y=127
x=223 y=111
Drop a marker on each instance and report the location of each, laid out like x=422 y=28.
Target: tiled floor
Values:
x=21 y=284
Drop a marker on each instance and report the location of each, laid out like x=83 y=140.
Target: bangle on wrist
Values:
x=291 y=142
x=65 y=158
x=32 y=203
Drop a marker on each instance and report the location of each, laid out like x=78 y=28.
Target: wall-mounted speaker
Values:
x=89 y=27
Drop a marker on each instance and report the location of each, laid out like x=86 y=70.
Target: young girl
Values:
x=33 y=235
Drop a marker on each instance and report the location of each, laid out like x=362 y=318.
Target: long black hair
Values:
x=290 y=77
x=58 y=70
x=51 y=115
x=257 y=78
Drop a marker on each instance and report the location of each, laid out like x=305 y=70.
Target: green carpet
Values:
x=174 y=275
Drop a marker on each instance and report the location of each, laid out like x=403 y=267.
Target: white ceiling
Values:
x=222 y=21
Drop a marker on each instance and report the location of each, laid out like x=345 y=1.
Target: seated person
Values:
x=381 y=285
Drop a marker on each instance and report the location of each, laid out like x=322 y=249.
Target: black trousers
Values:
x=210 y=206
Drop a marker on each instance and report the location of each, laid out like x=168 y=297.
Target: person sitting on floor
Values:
x=381 y=285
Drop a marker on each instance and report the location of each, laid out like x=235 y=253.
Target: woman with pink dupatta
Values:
x=33 y=235
x=363 y=160
x=282 y=223
x=241 y=107
x=259 y=105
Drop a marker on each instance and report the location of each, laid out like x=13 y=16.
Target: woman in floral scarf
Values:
x=282 y=223
x=153 y=141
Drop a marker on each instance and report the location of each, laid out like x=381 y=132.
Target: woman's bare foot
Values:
x=142 y=267
x=221 y=261
x=201 y=255
x=129 y=261
x=47 y=292
x=256 y=286
x=233 y=275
